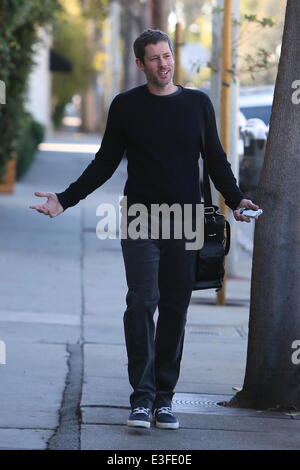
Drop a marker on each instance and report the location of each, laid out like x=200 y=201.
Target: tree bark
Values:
x=272 y=378
x=160 y=10
x=90 y=122
x=136 y=20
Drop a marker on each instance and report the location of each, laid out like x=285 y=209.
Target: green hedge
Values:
x=19 y=23
x=31 y=135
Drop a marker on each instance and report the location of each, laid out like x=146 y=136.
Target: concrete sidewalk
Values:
x=62 y=290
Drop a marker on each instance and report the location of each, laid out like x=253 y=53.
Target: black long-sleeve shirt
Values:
x=163 y=137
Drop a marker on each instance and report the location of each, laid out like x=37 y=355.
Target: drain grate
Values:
x=214 y=330
x=193 y=403
x=212 y=301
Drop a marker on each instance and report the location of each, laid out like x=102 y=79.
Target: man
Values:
x=163 y=127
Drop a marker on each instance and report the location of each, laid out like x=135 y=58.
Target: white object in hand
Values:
x=251 y=213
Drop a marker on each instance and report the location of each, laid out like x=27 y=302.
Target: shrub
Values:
x=31 y=135
x=19 y=22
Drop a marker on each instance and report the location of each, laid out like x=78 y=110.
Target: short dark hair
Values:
x=149 y=36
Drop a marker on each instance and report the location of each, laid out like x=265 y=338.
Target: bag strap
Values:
x=206 y=183
x=227 y=243
x=206 y=187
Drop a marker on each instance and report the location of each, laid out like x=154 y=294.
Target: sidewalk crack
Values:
x=67 y=435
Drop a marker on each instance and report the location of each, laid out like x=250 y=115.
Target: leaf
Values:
x=267 y=22
x=218 y=10
x=250 y=18
x=238 y=389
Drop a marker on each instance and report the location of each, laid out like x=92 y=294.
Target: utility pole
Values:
x=215 y=89
x=225 y=106
x=178 y=44
x=232 y=258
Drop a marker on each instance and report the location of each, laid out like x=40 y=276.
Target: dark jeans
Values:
x=159 y=273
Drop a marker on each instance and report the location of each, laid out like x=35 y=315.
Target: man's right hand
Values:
x=52 y=207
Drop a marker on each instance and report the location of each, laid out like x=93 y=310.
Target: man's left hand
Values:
x=244 y=203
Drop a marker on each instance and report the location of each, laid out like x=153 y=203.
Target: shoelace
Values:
x=141 y=409
x=164 y=409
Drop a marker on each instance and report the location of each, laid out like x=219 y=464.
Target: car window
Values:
x=261 y=112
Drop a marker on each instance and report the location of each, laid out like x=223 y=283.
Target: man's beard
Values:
x=154 y=80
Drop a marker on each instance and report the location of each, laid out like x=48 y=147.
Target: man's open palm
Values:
x=52 y=207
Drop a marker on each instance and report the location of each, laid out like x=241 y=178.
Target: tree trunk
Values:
x=88 y=109
x=160 y=10
x=89 y=96
x=136 y=20
x=130 y=33
x=272 y=378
